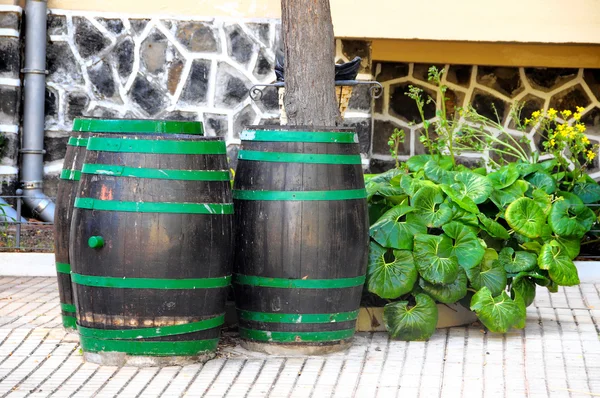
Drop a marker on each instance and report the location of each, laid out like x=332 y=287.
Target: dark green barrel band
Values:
x=166 y=147
x=69 y=322
x=137 y=126
x=299 y=136
x=72 y=175
x=154 y=207
x=295 y=337
x=63 y=268
x=288 y=157
x=298 y=283
x=144 y=333
x=150 y=348
x=77 y=141
x=297 y=318
x=300 y=195
x=162 y=174
x=148 y=283
x=67 y=307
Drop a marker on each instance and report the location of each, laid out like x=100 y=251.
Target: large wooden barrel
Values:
x=69 y=180
x=301 y=235
x=151 y=248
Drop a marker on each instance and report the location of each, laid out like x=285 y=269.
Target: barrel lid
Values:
x=137 y=126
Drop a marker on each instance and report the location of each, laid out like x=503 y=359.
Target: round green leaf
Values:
x=439 y=170
x=504 y=177
x=526 y=289
x=429 y=207
x=447 y=293
x=498 y=313
x=504 y=197
x=466 y=248
x=392 y=231
x=490 y=274
x=465 y=217
x=434 y=259
x=573 y=220
x=525 y=217
x=417 y=162
x=588 y=192
x=390 y=280
x=570 y=246
x=411 y=323
x=493 y=227
x=474 y=186
x=543 y=200
x=558 y=264
x=464 y=202
x=520 y=261
x=542 y=180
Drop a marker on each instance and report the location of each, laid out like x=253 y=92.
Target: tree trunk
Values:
x=309 y=49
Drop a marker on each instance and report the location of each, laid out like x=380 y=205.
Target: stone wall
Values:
x=156 y=68
x=10 y=94
x=485 y=87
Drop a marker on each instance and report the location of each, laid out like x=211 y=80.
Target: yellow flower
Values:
x=566 y=113
x=580 y=127
x=552 y=113
x=570 y=132
x=580 y=109
x=585 y=140
x=590 y=155
x=577 y=116
x=552 y=143
x=536 y=114
x=527 y=121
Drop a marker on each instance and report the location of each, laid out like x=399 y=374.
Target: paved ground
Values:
x=557 y=355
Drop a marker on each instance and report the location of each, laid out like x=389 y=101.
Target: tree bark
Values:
x=309 y=50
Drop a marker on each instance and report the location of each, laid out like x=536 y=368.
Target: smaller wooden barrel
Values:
x=151 y=248
x=301 y=236
x=69 y=180
x=65 y=196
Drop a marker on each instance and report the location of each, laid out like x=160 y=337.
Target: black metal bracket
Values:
x=375 y=89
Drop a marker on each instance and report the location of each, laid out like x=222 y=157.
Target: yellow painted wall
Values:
x=537 y=21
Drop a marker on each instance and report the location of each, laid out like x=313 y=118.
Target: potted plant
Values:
x=485 y=237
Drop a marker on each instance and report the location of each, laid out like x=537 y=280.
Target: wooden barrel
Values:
x=151 y=248
x=67 y=187
x=65 y=196
x=301 y=235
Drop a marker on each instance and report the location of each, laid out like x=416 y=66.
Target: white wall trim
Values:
x=10 y=8
x=7 y=81
x=6 y=32
x=27 y=264
x=9 y=128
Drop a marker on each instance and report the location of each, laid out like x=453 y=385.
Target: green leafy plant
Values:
x=486 y=237
x=442 y=233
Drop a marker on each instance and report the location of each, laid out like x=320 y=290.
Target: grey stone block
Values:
x=232 y=86
x=196 y=87
x=198 y=36
x=9 y=105
x=89 y=40
x=10 y=57
x=61 y=64
x=216 y=124
x=147 y=96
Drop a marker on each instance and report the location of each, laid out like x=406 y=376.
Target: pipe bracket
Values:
x=33 y=151
x=32 y=184
x=35 y=71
